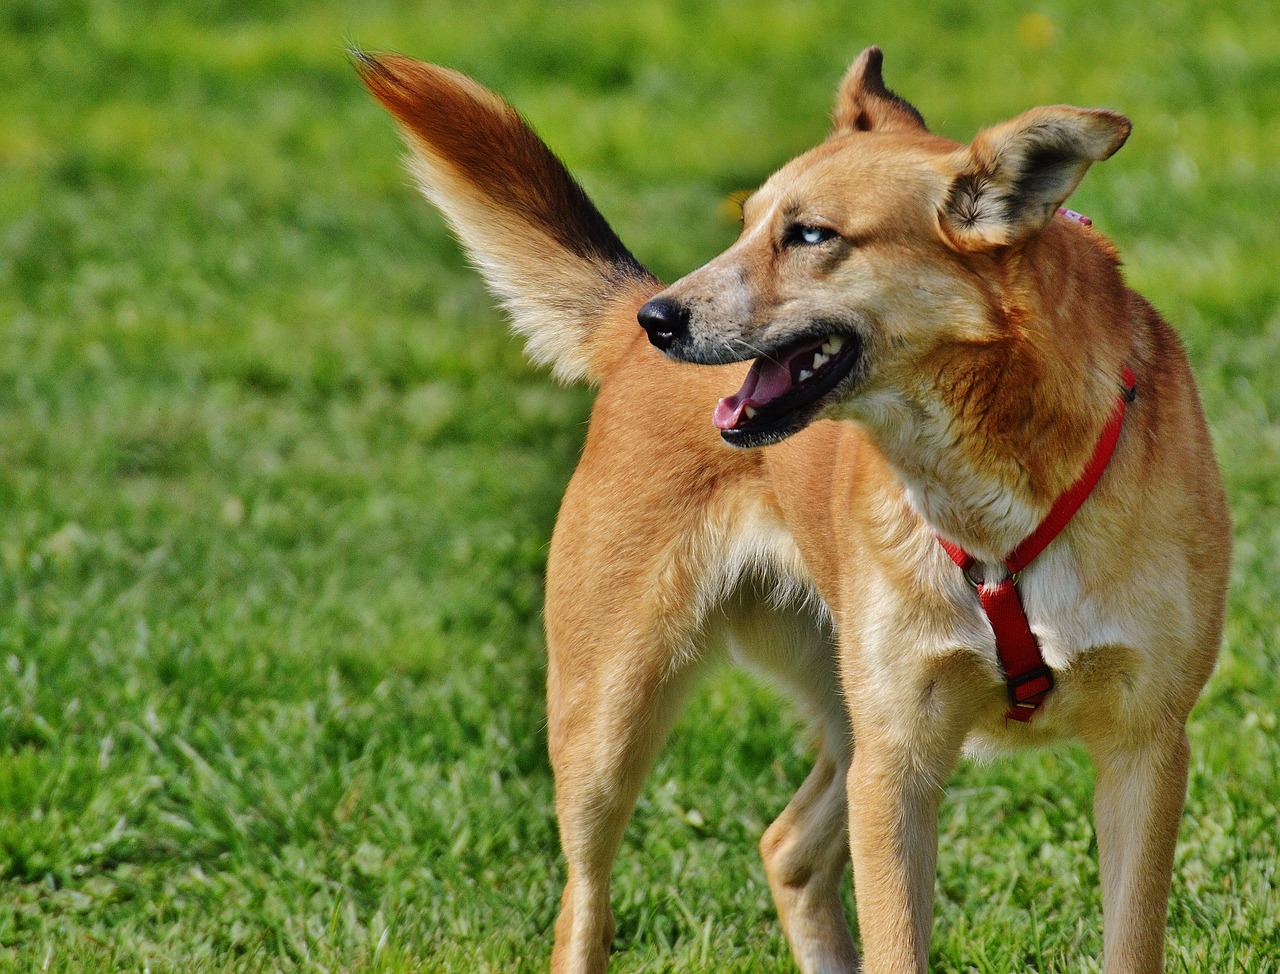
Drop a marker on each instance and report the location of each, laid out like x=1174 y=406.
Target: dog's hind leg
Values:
x=806 y=850
x=622 y=628
x=806 y=856
x=607 y=722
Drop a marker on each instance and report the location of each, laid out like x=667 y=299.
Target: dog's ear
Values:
x=864 y=104
x=1014 y=176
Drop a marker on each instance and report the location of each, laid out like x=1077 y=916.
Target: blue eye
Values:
x=809 y=235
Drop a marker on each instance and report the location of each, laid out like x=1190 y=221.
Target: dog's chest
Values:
x=913 y=629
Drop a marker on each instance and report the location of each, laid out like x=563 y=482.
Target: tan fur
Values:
x=993 y=337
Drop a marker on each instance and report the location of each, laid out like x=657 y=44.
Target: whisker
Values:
x=756 y=351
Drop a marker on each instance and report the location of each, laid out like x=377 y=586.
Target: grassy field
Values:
x=276 y=485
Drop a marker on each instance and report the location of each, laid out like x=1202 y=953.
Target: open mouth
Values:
x=781 y=392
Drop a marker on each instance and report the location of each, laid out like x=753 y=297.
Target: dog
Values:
x=964 y=499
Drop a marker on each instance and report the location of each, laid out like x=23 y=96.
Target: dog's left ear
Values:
x=1014 y=176
x=864 y=104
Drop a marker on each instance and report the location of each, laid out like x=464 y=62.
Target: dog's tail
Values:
x=537 y=239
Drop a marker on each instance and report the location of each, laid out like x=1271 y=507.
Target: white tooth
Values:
x=820 y=360
x=750 y=411
x=833 y=344
x=805 y=374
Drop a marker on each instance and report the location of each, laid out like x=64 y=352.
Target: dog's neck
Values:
x=996 y=431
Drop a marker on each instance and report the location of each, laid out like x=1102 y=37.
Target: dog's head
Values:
x=865 y=254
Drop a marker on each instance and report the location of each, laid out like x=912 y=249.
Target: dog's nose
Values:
x=665 y=320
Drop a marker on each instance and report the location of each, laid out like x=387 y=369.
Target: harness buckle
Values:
x=1014 y=685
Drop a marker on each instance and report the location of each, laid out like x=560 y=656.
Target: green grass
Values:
x=276 y=486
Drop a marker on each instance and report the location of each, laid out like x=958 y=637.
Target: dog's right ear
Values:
x=864 y=104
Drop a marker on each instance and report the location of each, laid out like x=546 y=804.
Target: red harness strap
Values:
x=1027 y=677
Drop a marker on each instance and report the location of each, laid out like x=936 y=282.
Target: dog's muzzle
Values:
x=665 y=321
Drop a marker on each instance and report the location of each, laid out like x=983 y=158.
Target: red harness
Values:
x=1026 y=676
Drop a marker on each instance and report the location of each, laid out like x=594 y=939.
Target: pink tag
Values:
x=1078 y=217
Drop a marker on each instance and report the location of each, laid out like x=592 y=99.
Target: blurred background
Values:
x=276 y=485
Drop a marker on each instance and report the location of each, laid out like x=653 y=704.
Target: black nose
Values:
x=665 y=320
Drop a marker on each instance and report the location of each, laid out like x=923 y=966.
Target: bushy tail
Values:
x=537 y=239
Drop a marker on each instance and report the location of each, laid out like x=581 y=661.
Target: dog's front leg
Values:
x=1138 y=803
x=905 y=749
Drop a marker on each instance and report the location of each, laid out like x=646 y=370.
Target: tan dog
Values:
x=976 y=351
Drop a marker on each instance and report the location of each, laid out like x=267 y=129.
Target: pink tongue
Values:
x=765 y=382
